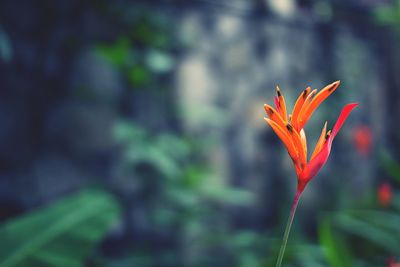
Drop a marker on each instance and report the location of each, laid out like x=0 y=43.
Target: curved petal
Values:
x=297 y=107
x=286 y=139
x=320 y=159
x=274 y=115
x=282 y=104
x=320 y=141
x=316 y=101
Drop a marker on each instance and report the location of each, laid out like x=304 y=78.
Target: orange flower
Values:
x=385 y=194
x=289 y=129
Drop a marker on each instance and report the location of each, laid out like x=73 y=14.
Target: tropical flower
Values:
x=290 y=129
x=385 y=194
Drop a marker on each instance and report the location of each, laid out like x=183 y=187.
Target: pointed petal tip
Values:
x=350 y=106
x=336 y=83
x=278 y=91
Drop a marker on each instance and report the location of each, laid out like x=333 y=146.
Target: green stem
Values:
x=288 y=226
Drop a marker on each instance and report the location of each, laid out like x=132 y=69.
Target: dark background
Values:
x=152 y=111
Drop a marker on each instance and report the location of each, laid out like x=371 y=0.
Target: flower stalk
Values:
x=288 y=227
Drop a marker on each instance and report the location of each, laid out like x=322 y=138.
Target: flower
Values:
x=289 y=129
x=392 y=263
x=385 y=194
x=362 y=137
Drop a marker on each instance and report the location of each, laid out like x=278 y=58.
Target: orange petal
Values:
x=274 y=115
x=304 y=141
x=316 y=101
x=297 y=107
x=298 y=143
x=283 y=135
x=282 y=104
x=307 y=101
x=320 y=142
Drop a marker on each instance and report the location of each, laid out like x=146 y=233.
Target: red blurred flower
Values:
x=385 y=194
x=392 y=263
x=362 y=138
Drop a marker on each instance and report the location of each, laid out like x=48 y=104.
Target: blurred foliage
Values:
x=336 y=249
x=391 y=167
x=388 y=14
x=63 y=234
x=359 y=237
x=187 y=195
x=5 y=47
x=167 y=153
x=145 y=53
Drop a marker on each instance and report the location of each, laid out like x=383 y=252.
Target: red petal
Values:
x=343 y=116
x=277 y=106
x=320 y=159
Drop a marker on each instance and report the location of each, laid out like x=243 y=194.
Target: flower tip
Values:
x=278 y=91
x=335 y=84
x=353 y=105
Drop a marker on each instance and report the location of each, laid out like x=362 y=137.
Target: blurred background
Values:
x=132 y=132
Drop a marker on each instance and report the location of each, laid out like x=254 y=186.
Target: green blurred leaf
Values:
x=124 y=132
x=139 y=75
x=226 y=194
x=388 y=221
x=391 y=167
x=117 y=53
x=376 y=234
x=387 y=15
x=336 y=250
x=63 y=234
x=5 y=47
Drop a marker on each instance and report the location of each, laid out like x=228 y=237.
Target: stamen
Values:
x=328 y=134
x=278 y=91
x=305 y=92
x=289 y=127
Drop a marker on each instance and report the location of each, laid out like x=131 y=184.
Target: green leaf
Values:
x=117 y=53
x=366 y=230
x=336 y=251
x=63 y=234
x=391 y=166
x=139 y=76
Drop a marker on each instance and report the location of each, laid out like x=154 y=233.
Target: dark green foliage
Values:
x=336 y=250
x=61 y=235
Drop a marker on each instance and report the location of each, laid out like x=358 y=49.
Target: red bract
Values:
x=385 y=194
